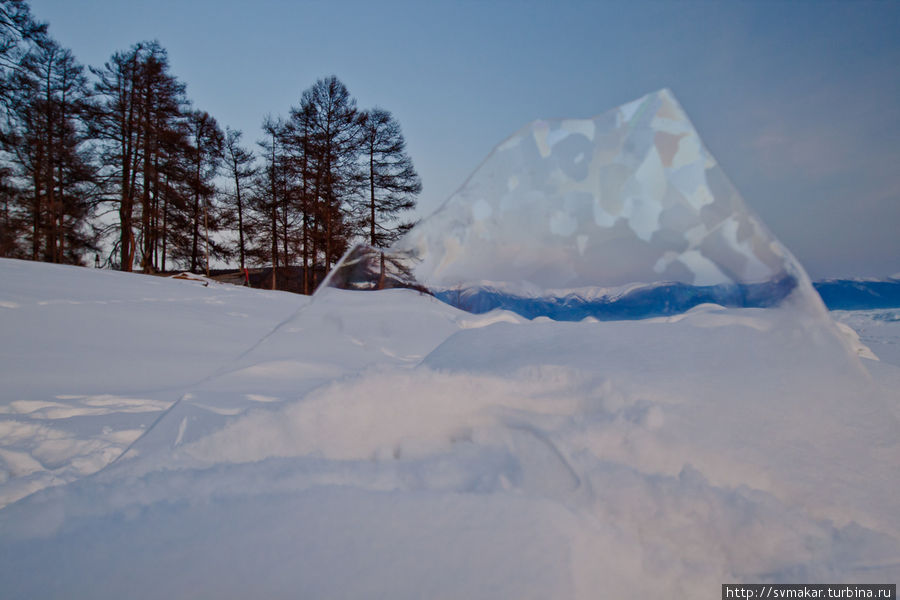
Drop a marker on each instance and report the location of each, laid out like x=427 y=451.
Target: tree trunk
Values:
x=206 y=227
x=126 y=237
x=372 y=202
x=284 y=231
x=125 y=219
x=304 y=191
x=240 y=208
x=165 y=225
x=196 y=216
x=36 y=215
x=273 y=187
x=145 y=196
x=61 y=225
x=154 y=217
x=49 y=167
x=274 y=244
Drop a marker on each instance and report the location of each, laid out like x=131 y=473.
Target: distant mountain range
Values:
x=610 y=304
x=859 y=294
x=662 y=299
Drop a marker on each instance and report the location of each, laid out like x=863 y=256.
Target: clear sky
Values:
x=799 y=101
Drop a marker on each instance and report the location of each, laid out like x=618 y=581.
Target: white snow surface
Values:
x=162 y=438
x=880 y=328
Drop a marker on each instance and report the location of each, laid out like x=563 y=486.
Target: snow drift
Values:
x=386 y=444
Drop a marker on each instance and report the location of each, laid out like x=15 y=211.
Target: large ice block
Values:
x=624 y=215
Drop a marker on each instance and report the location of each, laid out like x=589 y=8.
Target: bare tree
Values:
x=205 y=156
x=268 y=198
x=239 y=164
x=138 y=121
x=18 y=32
x=117 y=124
x=392 y=181
x=48 y=145
x=333 y=144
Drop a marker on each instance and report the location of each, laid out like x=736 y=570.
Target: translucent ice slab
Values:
x=625 y=215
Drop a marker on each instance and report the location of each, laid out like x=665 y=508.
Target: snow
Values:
x=181 y=438
x=880 y=329
x=92 y=358
x=162 y=438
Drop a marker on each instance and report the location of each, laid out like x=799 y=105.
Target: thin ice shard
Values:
x=624 y=215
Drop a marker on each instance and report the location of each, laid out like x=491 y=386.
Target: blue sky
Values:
x=799 y=101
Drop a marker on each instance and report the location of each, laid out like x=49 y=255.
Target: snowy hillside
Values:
x=92 y=358
x=221 y=442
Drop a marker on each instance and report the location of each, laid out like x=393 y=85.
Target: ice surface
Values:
x=621 y=216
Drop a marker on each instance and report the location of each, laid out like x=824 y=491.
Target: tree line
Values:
x=116 y=160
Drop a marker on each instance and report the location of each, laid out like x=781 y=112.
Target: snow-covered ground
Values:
x=878 y=329
x=90 y=359
x=221 y=442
